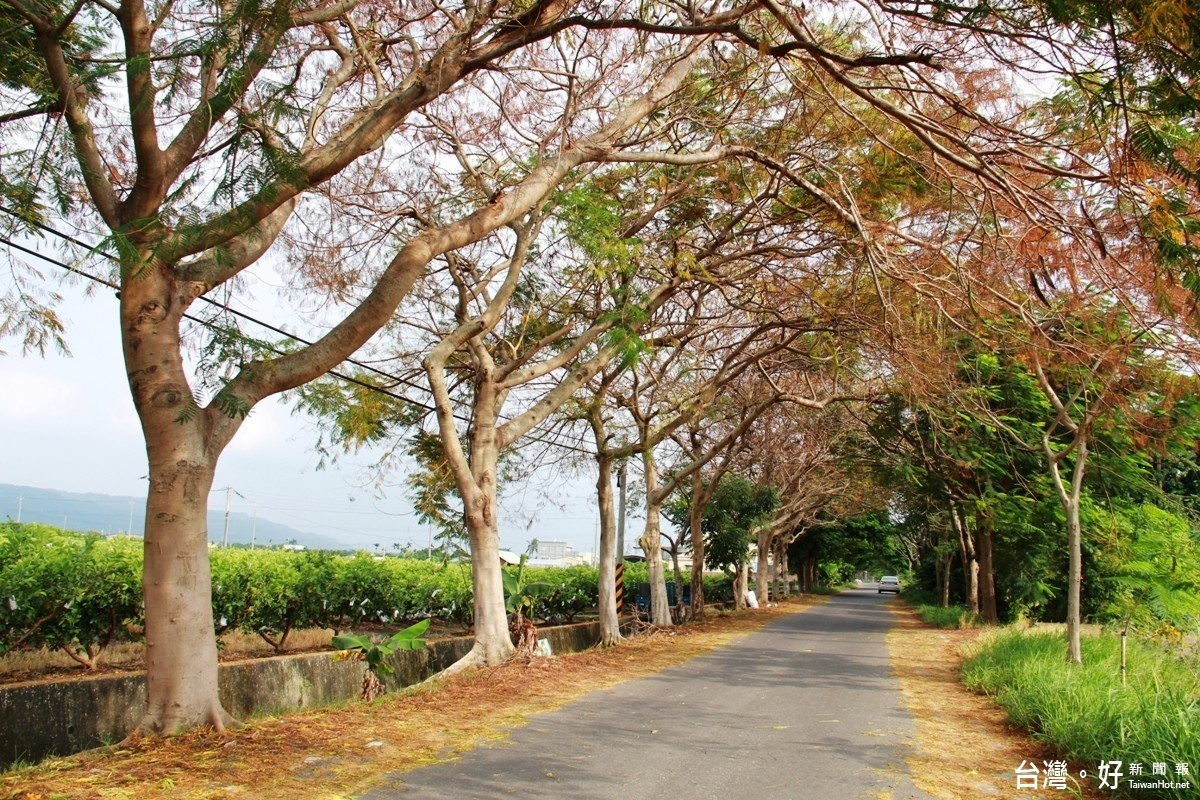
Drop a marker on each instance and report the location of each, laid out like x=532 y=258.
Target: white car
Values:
x=889 y=583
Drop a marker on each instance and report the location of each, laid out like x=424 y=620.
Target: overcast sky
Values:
x=69 y=424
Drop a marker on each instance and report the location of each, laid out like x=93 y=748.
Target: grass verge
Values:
x=339 y=752
x=1085 y=714
x=964 y=750
x=947 y=616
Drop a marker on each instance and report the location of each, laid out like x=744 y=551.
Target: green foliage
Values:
x=434 y=490
x=1083 y=712
x=567 y=592
x=271 y=593
x=521 y=591
x=376 y=653
x=978 y=448
x=865 y=542
x=78 y=592
x=947 y=616
x=226 y=349
x=717 y=588
x=594 y=220
x=363 y=590
x=730 y=517
x=834 y=572
x=66 y=591
x=1152 y=572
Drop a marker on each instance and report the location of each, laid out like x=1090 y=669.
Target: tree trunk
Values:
x=1074 y=582
x=939 y=575
x=947 y=566
x=678 y=611
x=651 y=541
x=182 y=451
x=181 y=645
x=739 y=586
x=987 y=581
x=610 y=624
x=1071 y=498
x=761 y=587
x=696 y=529
x=782 y=581
x=660 y=609
x=493 y=642
x=966 y=543
x=475 y=476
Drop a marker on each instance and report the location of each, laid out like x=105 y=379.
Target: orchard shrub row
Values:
x=79 y=593
x=65 y=591
x=273 y=592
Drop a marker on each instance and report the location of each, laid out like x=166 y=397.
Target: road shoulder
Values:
x=335 y=752
x=964 y=748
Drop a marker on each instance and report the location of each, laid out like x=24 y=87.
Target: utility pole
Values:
x=229 y=492
x=129 y=532
x=253 y=527
x=20 y=504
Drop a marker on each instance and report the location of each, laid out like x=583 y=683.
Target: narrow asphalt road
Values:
x=805 y=708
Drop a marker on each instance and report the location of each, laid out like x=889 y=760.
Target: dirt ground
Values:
x=964 y=751
x=42 y=664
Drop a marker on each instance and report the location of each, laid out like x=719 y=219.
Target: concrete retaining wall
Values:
x=44 y=719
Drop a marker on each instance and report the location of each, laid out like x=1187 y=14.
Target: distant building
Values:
x=554 y=551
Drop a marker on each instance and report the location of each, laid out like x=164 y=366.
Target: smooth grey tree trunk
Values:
x=610 y=626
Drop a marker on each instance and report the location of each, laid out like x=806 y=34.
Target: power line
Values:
x=243 y=315
x=210 y=324
x=223 y=306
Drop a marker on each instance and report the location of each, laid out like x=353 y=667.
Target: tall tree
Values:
x=197 y=132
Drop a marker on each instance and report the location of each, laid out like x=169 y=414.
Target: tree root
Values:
x=611 y=640
x=639 y=627
x=152 y=725
x=474 y=659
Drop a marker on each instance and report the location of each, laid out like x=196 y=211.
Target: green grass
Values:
x=1084 y=713
x=947 y=617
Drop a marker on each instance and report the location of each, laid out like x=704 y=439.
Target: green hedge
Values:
x=79 y=593
x=66 y=591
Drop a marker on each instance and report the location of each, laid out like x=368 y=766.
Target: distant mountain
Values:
x=106 y=513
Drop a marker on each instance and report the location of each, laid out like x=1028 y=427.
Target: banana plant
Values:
x=519 y=596
x=361 y=648
x=520 y=593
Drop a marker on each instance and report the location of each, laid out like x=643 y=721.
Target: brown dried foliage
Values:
x=333 y=752
x=965 y=750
